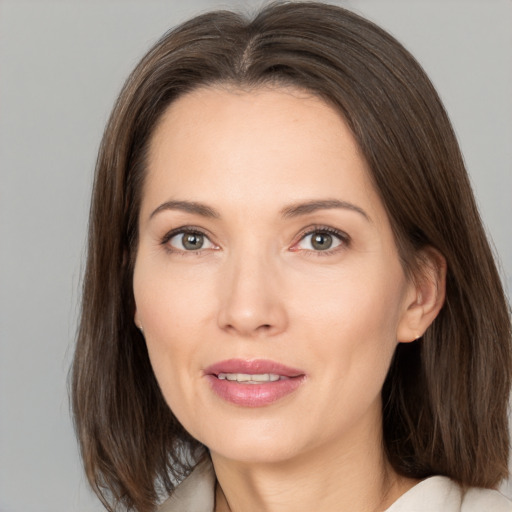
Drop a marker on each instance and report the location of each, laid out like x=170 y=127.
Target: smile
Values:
x=254 y=383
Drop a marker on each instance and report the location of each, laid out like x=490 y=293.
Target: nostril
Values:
x=264 y=327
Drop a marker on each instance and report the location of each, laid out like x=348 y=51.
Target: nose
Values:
x=252 y=302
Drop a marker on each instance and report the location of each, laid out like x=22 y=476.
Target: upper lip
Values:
x=252 y=367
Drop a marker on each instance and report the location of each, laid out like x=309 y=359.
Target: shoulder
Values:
x=436 y=494
x=482 y=500
x=440 y=494
x=195 y=494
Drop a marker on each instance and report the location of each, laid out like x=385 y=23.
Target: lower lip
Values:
x=253 y=395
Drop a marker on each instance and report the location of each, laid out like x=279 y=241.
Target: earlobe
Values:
x=425 y=298
x=137 y=321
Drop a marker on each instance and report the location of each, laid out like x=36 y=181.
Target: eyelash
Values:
x=192 y=230
x=340 y=235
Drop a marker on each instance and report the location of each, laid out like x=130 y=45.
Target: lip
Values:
x=253 y=395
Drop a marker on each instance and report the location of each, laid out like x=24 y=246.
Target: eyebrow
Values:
x=299 y=209
x=294 y=210
x=189 y=207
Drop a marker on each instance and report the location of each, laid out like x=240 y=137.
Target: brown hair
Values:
x=446 y=395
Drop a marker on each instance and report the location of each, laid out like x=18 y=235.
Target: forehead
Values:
x=263 y=144
x=266 y=114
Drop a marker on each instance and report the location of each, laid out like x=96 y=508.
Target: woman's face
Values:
x=267 y=280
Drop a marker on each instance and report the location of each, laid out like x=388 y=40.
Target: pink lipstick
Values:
x=254 y=383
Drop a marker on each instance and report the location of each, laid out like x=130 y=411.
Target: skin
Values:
x=259 y=289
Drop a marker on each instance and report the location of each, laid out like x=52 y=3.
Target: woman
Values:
x=288 y=293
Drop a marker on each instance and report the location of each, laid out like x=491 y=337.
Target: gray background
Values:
x=61 y=65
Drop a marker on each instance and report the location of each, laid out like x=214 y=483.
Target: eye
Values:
x=188 y=241
x=321 y=240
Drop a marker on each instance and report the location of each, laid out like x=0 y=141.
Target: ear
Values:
x=425 y=296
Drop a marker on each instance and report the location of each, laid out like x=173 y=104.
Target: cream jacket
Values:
x=436 y=494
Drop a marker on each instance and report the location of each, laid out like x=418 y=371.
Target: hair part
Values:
x=445 y=397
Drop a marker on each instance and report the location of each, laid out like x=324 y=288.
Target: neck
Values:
x=351 y=474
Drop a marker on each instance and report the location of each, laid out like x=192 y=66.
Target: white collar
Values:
x=196 y=493
x=435 y=494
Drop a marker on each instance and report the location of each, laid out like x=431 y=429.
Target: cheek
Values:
x=169 y=315
x=364 y=299
x=354 y=321
x=171 y=301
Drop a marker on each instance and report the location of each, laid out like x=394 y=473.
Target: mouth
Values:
x=254 y=383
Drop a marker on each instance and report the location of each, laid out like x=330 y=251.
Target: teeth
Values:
x=249 y=379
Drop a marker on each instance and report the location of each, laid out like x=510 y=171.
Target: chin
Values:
x=255 y=453
x=260 y=443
